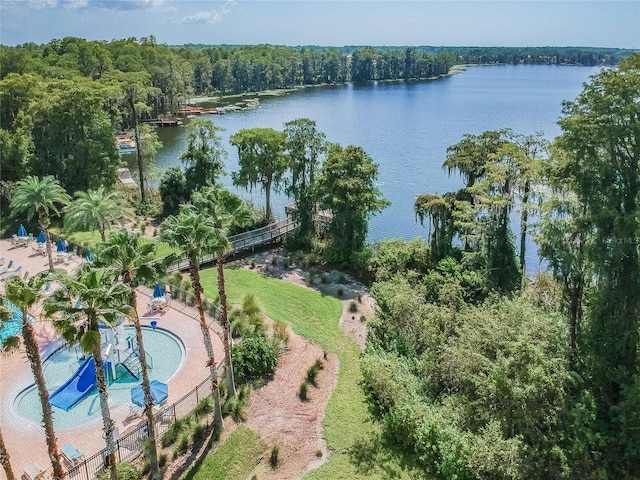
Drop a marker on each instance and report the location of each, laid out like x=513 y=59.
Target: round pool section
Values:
x=165 y=355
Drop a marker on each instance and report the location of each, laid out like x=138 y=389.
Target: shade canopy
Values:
x=90 y=257
x=158 y=291
x=41 y=238
x=22 y=232
x=61 y=246
x=159 y=393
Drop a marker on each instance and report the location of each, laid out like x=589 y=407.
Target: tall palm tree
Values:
x=104 y=301
x=194 y=234
x=5 y=461
x=225 y=209
x=41 y=197
x=96 y=209
x=134 y=262
x=25 y=295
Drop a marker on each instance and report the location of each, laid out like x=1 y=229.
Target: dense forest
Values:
x=471 y=370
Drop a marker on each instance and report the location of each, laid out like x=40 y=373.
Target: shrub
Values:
x=183 y=444
x=162 y=459
x=319 y=364
x=273 y=458
x=353 y=307
x=302 y=393
x=235 y=408
x=312 y=373
x=254 y=358
x=204 y=406
x=340 y=292
x=126 y=471
x=173 y=432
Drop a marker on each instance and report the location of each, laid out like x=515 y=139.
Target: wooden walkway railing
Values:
x=246 y=241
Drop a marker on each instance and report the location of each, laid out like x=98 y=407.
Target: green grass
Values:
x=347 y=428
x=92 y=238
x=235 y=459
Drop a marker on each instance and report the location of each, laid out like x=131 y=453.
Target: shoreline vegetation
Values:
x=247 y=101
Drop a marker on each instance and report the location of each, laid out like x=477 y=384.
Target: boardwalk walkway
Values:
x=247 y=241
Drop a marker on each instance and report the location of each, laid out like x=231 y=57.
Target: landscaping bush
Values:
x=126 y=471
x=254 y=358
x=302 y=393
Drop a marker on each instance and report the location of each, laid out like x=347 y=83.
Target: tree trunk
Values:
x=523 y=226
x=268 y=213
x=146 y=388
x=206 y=335
x=136 y=131
x=108 y=426
x=5 y=461
x=31 y=347
x=48 y=246
x=224 y=320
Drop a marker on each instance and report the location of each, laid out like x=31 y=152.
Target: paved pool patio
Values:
x=25 y=438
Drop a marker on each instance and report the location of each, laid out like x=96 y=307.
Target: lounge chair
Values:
x=7 y=268
x=2 y=261
x=12 y=273
x=33 y=471
x=46 y=290
x=71 y=454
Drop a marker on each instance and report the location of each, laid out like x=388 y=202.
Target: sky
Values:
x=609 y=23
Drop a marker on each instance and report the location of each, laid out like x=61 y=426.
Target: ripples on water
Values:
x=406 y=128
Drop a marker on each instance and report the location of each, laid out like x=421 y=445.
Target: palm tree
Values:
x=5 y=461
x=41 y=197
x=194 y=234
x=25 y=295
x=96 y=209
x=225 y=209
x=134 y=262
x=104 y=301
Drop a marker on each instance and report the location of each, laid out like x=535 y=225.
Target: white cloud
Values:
x=209 y=16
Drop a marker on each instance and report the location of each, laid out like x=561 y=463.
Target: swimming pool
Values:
x=13 y=326
x=165 y=356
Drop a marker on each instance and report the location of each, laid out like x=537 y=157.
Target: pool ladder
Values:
x=132 y=362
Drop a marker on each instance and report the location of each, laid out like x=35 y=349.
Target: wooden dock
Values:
x=164 y=122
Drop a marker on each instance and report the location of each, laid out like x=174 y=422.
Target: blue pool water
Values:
x=13 y=326
x=165 y=350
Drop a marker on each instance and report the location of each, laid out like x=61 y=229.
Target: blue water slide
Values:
x=77 y=387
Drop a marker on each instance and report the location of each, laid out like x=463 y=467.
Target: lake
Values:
x=406 y=128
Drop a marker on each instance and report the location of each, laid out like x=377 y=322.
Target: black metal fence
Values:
x=131 y=445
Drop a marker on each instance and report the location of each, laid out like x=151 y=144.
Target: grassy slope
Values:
x=234 y=459
x=316 y=317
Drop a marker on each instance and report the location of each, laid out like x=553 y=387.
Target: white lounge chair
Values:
x=12 y=273
x=7 y=268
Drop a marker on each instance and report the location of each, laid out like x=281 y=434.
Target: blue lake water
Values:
x=406 y=128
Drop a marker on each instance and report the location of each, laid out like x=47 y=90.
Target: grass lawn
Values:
x=315 y=316
x=92 y=238
x=234 y=459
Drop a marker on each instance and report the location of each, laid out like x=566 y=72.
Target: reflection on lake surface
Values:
x=406 y=128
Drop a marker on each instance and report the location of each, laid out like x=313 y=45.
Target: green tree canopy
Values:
x=262 y=161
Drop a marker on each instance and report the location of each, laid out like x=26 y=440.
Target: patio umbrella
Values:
x=61 y=246
x=41 y=238
x=158 y=291
x=22 y=232
x=90 y=257
x=159 y=393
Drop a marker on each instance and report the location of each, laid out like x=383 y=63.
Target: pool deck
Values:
x=24 y=438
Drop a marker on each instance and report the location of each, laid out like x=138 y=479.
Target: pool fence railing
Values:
x=131 y=445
